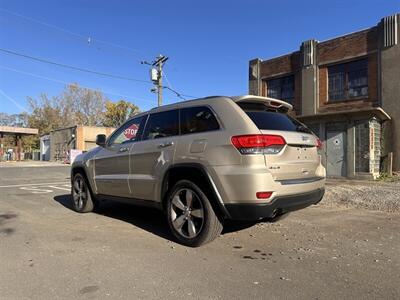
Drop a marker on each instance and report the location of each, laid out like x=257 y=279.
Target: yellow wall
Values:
x=86 y=136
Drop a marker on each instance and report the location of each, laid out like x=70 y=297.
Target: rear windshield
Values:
x=269 y=120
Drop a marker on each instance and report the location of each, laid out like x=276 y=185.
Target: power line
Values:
x=180 y=95
x=166 y=79
x=169 y=86
x=74 y=67
x=156 y=75
x=65 y=82
x=88 y=39
x=175 y=92
x=42 y=60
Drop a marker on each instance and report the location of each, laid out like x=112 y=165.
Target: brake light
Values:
x=263 y=195
x=276 y=104
x=318 y=144
x=258 y=143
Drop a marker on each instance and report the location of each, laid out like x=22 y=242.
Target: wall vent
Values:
x=390 y=28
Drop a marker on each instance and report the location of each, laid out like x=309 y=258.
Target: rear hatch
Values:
x=297 y=157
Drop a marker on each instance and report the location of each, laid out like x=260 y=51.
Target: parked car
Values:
x=205 y=161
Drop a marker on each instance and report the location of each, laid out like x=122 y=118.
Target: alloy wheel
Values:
x=79 y=192
x=187 y=213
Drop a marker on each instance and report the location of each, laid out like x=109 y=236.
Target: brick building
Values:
x=347 y=90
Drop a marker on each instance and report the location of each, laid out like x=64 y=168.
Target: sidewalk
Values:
x=373 y=195
x=31 y=163
x=348 y=181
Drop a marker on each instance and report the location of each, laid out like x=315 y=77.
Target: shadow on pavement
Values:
x=234 y=226
x=149 y=219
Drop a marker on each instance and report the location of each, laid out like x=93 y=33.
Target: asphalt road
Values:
x=47 y=251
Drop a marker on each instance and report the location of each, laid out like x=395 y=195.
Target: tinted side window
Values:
x=197 y=119
x=129 y=132
x=162 y=124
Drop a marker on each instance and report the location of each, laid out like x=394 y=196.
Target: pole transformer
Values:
x=156 y=75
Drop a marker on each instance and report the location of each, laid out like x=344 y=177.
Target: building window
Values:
x=348 y=81
x=281 y=88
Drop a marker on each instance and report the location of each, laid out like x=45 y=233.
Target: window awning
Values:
x=18 y=130
x=377 y=112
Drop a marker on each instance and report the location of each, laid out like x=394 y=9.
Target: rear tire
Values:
x=190 y=215
x=82 y=200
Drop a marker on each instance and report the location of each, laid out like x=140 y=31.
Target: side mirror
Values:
x=101 y=140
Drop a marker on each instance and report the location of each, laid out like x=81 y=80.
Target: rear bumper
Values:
x=257 y=211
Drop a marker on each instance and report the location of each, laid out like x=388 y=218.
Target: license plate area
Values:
x=303 y=152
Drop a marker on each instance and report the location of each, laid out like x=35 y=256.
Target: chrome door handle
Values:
x=124 y=149
x=166 y=144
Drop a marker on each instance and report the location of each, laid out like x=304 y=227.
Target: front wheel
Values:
x=82 y=200
x=190 y=215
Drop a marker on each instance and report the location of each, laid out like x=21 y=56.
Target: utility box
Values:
x=153 y=74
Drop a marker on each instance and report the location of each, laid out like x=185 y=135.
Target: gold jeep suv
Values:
x=203 y=162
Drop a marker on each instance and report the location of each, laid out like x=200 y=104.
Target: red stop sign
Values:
x=131 y=131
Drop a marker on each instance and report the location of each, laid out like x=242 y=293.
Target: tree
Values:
x=74 y=106
x=86 y=106
x=18 y=120
x=45 y=115
x=117 y=113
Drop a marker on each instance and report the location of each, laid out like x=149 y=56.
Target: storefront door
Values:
x=336 y=153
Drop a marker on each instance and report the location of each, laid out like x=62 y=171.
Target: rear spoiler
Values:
x=268 y=102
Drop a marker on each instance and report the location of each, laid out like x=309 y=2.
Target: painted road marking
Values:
x=35 y=190
x=44 y=189
x=58 y=187
x=32 y=184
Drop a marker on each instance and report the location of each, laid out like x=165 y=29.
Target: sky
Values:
x=209 y=43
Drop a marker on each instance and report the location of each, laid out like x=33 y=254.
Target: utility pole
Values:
x=159 y=63
x=156 y=75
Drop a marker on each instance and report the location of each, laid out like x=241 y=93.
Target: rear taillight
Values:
x=258 y=143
